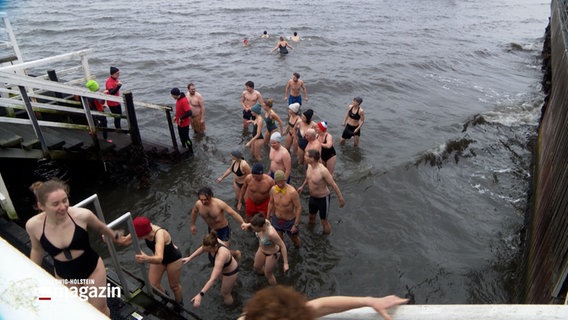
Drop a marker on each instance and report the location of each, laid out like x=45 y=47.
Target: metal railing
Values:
x=110 y=244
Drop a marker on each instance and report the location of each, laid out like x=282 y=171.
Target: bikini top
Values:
x=80 y=241
x=264 y=241
x=237 y=172
x=354 y=116
x=293 y=124
x=228 y=263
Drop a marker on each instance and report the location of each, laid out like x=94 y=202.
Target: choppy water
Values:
x=434 y=202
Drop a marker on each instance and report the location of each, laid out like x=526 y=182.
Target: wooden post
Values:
x=53 y=77
x=172 y=132
x=131 y=118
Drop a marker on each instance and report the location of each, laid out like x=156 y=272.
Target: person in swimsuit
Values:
x=270 y=248
x=249 y=98
x=284 y=208
x=282 y=45
x=270 y=119
x=280 y=158
x=301 y=128
x=224 y=264
x=328 y=154
x=239 y=168
x=166 y=258
x=197 y=106
x=257 y=141
x=269 y=303
x=318 y=179
x=213 y=210
x=294 y=85
x=255 y=191
x=61 y=231
x=293 y=119
x=353 y=122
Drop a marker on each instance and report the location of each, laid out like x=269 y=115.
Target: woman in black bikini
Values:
x=61 y=231
x=300 y=130
x=353 y=122
x=166 y=258
x=224 y=264
x=239 y=168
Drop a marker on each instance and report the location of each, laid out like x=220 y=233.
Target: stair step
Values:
x=11 y=141
x=31 y=144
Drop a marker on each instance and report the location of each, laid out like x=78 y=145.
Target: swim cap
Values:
x=257 y=168
x=309 y=114
x=92 y=85
x=256 y=108
x=175 y=92
x=113 y=70
x=279 y=175
x=276 y=136
x=358 y=99
x=295 y=107
x=142 y=226
x=322 y=126
x=237 y=153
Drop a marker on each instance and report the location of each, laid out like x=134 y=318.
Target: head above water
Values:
x=268 y=304
x=143 y=226
x=358 y=99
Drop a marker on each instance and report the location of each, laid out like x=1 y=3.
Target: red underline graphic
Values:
x=44 y=298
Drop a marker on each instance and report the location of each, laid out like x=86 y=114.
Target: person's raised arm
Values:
x=195 y=253
x=335 y=304
x=227 y=208
x=94 y=223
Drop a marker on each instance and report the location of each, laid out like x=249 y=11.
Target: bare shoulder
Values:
x=34 y=223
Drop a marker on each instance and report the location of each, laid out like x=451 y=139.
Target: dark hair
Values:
x=297 y=75
x=189 y=85
x=295 y=33
x=314 y=154
x=206 y=191
x=258 y=220
x=249 y=84
x=210 y=239
x=42 y=190
x=269 y=303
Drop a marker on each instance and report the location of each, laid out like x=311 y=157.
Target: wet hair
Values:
x=210 y=240
x=42 y=190
x=314 y=154
x=270 y=302
x=281 y=38
x=206 y=191
x=265 y=32
x=295 y=33
x=189 y=85
x=249 y=84
x=258 y=220
x=297 y=75
x=269 y=102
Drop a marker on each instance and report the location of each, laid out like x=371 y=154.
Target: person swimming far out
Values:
x=295 y=37
x=282 y=45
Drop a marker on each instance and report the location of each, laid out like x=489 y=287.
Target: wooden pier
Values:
x=43 y=116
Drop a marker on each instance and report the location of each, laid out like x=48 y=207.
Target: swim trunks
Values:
x=254 y=208
x=321 y=205
x=222 y=233
x=292 y=99
x=284 y=225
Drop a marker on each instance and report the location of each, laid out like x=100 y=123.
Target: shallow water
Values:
x=440 y=224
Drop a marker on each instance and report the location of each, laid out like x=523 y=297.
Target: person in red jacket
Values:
x=113 y=88
x=182 y=117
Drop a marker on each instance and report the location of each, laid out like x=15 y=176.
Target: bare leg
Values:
x=326 y=226
x=155 y=272
x=99 y=276
x=227 y=287
x=173 y=271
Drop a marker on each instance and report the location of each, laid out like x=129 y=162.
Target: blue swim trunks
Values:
x=292 y=99
x=223 y=233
